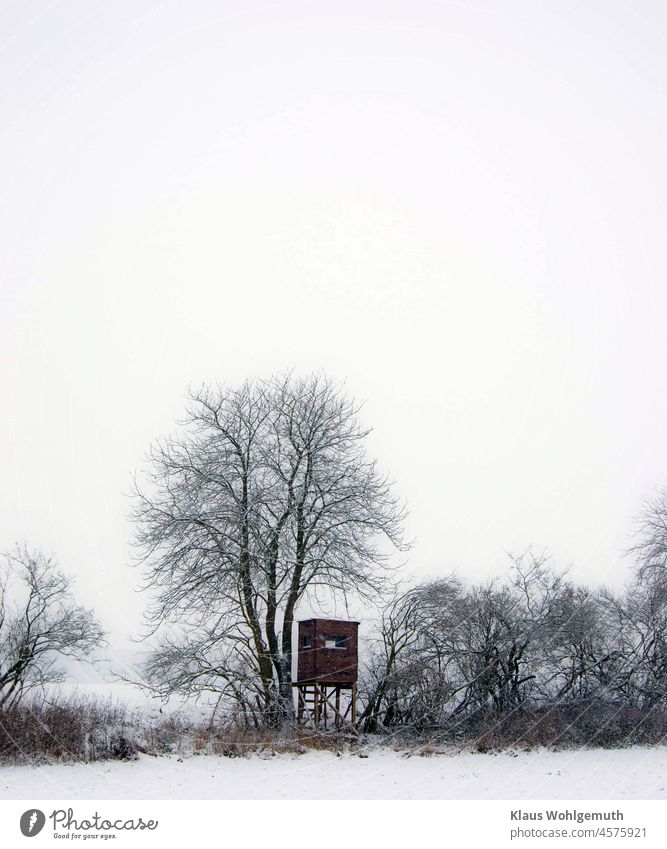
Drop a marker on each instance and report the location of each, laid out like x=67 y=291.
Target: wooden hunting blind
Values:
x=327 y=668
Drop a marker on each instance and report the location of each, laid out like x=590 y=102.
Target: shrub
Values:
x=66 y=729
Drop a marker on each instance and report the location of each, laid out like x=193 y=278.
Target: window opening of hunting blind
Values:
x=306 y=642
x=339 y=642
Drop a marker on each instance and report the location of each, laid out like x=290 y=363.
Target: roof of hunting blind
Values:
x=329 y=619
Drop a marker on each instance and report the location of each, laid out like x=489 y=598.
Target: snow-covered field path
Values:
x=635 y=773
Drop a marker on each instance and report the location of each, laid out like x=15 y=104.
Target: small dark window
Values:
x=335 y=642
x=306 y=642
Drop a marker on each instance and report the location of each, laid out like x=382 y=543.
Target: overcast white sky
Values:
x=457 y=207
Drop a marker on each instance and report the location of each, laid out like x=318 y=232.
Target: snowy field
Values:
x=635 y=773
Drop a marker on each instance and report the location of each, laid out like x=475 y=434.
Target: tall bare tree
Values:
x=39 y=623
x=265 y=497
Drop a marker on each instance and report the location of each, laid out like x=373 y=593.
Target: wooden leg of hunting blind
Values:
x=326 y=702
x=301 y=705
x=305 y=705
x=316 y=702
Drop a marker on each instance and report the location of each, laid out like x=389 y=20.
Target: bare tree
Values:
x=491 y=638
x=641 y=614
x=640 y=619
x=398 y=635
x=579 y=653
x=266 y=497
x=406 y=678
x=650 y=548
x=39 y=623
x=446 y=652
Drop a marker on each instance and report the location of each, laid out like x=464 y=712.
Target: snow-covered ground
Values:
x=635 y=773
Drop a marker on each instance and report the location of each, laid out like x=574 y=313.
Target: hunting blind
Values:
x=327 y=669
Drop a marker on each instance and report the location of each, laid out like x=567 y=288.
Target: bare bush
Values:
x=67 y=729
